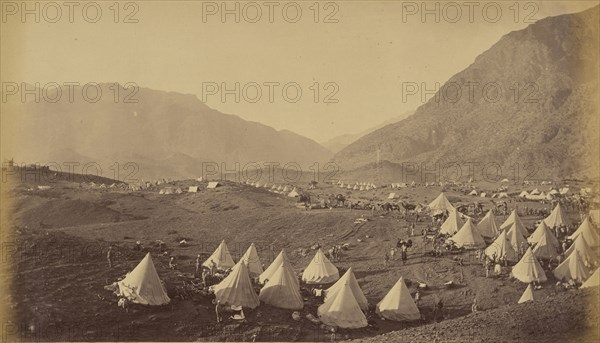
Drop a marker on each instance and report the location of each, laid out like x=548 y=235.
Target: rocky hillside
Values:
x=530 y=99
x=168 y=134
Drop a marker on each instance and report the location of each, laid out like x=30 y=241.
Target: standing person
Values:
x=218 y=311
x=412 y=230
x=109 y=256
x=213 y=268
x=172 y=262
x=198 y=265
x=404 y=253
x=204 y=275
x=417 y=297
x=474 y=307
x=386 y=258
x=487 y=267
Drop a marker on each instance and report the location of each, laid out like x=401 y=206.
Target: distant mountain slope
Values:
x=558 y=133
x=168 y=134
x=338 y=143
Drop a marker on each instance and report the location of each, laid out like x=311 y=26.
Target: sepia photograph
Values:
x=300 y=171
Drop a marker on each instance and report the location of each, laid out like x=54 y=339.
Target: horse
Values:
x=340 y=200
x=408 y=207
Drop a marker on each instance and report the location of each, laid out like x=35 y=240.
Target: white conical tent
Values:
x=320 y=270
x=514 y=219
x=293 y=193
x=516 y=239
x=272 y=268
x=585 y=252
x=595 y=217
x=546 y=247
x=590 y=235
x=282 y=290
x=452 y=224
x=221 y=257
x=556 y=218
x=468 y=236
x=541 y=230
x=528 y=269
x=501 y=247
x=236 y=289
x=441 y=203
x=527 y=295
x=342 y=310
x=397 y=304
x=487 y=227
x=252 y=261
x=350 y=279
x=143 y=286
x=592 y=281
x=572 y=268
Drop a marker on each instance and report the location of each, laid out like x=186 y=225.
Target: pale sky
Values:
x=366 y=55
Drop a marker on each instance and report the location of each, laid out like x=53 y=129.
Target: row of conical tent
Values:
x=510 y=239
x=357 y=187
x=344 y=301
x=276 y=189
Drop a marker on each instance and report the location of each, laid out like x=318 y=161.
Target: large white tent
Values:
x=528 y=269
x=342 y=310
x=350 y=279
x=501 y=247
x=398 y=304
x=282 y=289
x=572 y=268
x=143 y=286
x=556 y=218
x=252 y=261
x=588 y=232
x=488 y=226
x=468 y=237
x=237 y=289
x=320 y=270
x=221 y=257
x=452 y=224
x=514 y=218
x=441 y=203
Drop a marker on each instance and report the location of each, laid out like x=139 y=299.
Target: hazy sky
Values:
x=364 y=57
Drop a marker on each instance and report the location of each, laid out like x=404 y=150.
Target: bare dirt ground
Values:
x=56 y=253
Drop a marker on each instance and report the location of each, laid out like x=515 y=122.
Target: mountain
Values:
x=550 y=125
x=166 y=134
x=336 y=144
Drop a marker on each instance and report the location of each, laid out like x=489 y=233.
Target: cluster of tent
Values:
x=358 y=186
x=511 y=237
x=344 y=302
x=289 y=191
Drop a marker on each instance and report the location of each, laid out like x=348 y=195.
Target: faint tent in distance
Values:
x=143 y=286
x=213 y=185
x=193 y=189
